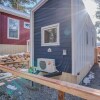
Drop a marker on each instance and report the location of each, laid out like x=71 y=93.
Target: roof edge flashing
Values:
x=40 y=4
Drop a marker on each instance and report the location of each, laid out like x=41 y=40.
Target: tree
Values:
x=18 y=4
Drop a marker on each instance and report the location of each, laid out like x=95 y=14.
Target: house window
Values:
x=87 y=38
x=50 y=35
x=13 y=28
x=26 y=25
x=92 y=41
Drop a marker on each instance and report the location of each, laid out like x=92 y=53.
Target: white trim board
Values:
x=32 y=40
x=41 y=3
x=49 y=27
x=28 y=45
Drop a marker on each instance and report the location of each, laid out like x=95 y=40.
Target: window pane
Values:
x=13 y=28
x=26 y=25
x=87 y=38
x=50 y=35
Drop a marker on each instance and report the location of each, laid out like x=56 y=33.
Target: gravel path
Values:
x=95 y=83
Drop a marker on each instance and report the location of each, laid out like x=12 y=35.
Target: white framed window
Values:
x=50 y=35
x=13 y=28
x=26 y=25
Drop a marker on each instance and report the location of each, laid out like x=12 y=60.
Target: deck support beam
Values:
x=61 y=95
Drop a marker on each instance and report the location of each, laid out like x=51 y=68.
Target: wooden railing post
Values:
x=61 y=95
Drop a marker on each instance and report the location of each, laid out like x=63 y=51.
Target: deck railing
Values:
x=61 y=86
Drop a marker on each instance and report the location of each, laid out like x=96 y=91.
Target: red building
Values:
x=14 y=31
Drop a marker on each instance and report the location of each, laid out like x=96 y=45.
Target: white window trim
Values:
x=8 y=29
x=28 y=45
x=58 y=35
x=25 y=26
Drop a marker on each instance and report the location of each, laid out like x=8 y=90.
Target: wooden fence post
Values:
x=61 y=95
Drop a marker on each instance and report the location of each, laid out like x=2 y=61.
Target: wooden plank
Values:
x=74 y=89
x=61 y=95
x=14 y=62
x=6 y=63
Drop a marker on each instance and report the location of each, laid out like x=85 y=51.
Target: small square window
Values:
x=26 y=25
x=50 y=35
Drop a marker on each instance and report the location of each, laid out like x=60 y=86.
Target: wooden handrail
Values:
x=64 y=87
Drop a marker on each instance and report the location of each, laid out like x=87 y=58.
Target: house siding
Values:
x=23 y=32
x=83 y=31
x=0 y=27
x=52 y=12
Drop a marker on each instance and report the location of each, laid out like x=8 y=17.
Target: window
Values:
x=13 y=28
x=87 y=38
x=50 y=35
x=27 y=25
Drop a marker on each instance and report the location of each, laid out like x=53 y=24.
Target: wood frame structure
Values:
x=61 y=86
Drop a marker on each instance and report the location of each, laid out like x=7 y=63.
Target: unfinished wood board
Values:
x=96 y=55
x=61 y=95
x=74 y=89
x=68 y=77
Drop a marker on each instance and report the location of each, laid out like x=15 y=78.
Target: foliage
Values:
x=18 y=4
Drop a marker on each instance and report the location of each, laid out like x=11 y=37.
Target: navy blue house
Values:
x=61 y=30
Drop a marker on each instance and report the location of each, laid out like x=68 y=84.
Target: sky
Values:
x=91 y=7
x=31 y=5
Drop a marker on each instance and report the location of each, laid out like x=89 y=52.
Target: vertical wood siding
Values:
x=24 y=33
x=0 y=27
x=54 y=11
x=12 y=49
x=82 y=50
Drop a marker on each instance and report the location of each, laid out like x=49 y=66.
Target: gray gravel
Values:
x=95 y=83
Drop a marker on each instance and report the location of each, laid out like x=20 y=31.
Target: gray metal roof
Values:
x=14 y=12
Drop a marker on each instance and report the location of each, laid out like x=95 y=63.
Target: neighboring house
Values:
x=62 y=30
x=14 y=30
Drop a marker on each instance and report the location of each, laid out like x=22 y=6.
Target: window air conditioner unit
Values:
x=46 y=65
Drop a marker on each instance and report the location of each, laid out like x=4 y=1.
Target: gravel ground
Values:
x=95 y=83
x=26 y=92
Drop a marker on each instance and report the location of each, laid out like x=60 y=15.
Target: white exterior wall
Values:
x=82 y=53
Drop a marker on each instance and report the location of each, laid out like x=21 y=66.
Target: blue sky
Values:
x=26 y=5
x=32 y=5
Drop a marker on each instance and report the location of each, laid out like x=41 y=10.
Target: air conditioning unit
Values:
x=46 y=65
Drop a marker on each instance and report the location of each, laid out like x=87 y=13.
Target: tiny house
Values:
x=63 y=39
x=14 y=30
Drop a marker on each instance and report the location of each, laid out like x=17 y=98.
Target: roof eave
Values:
x=18 y=15
x=25 y=16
